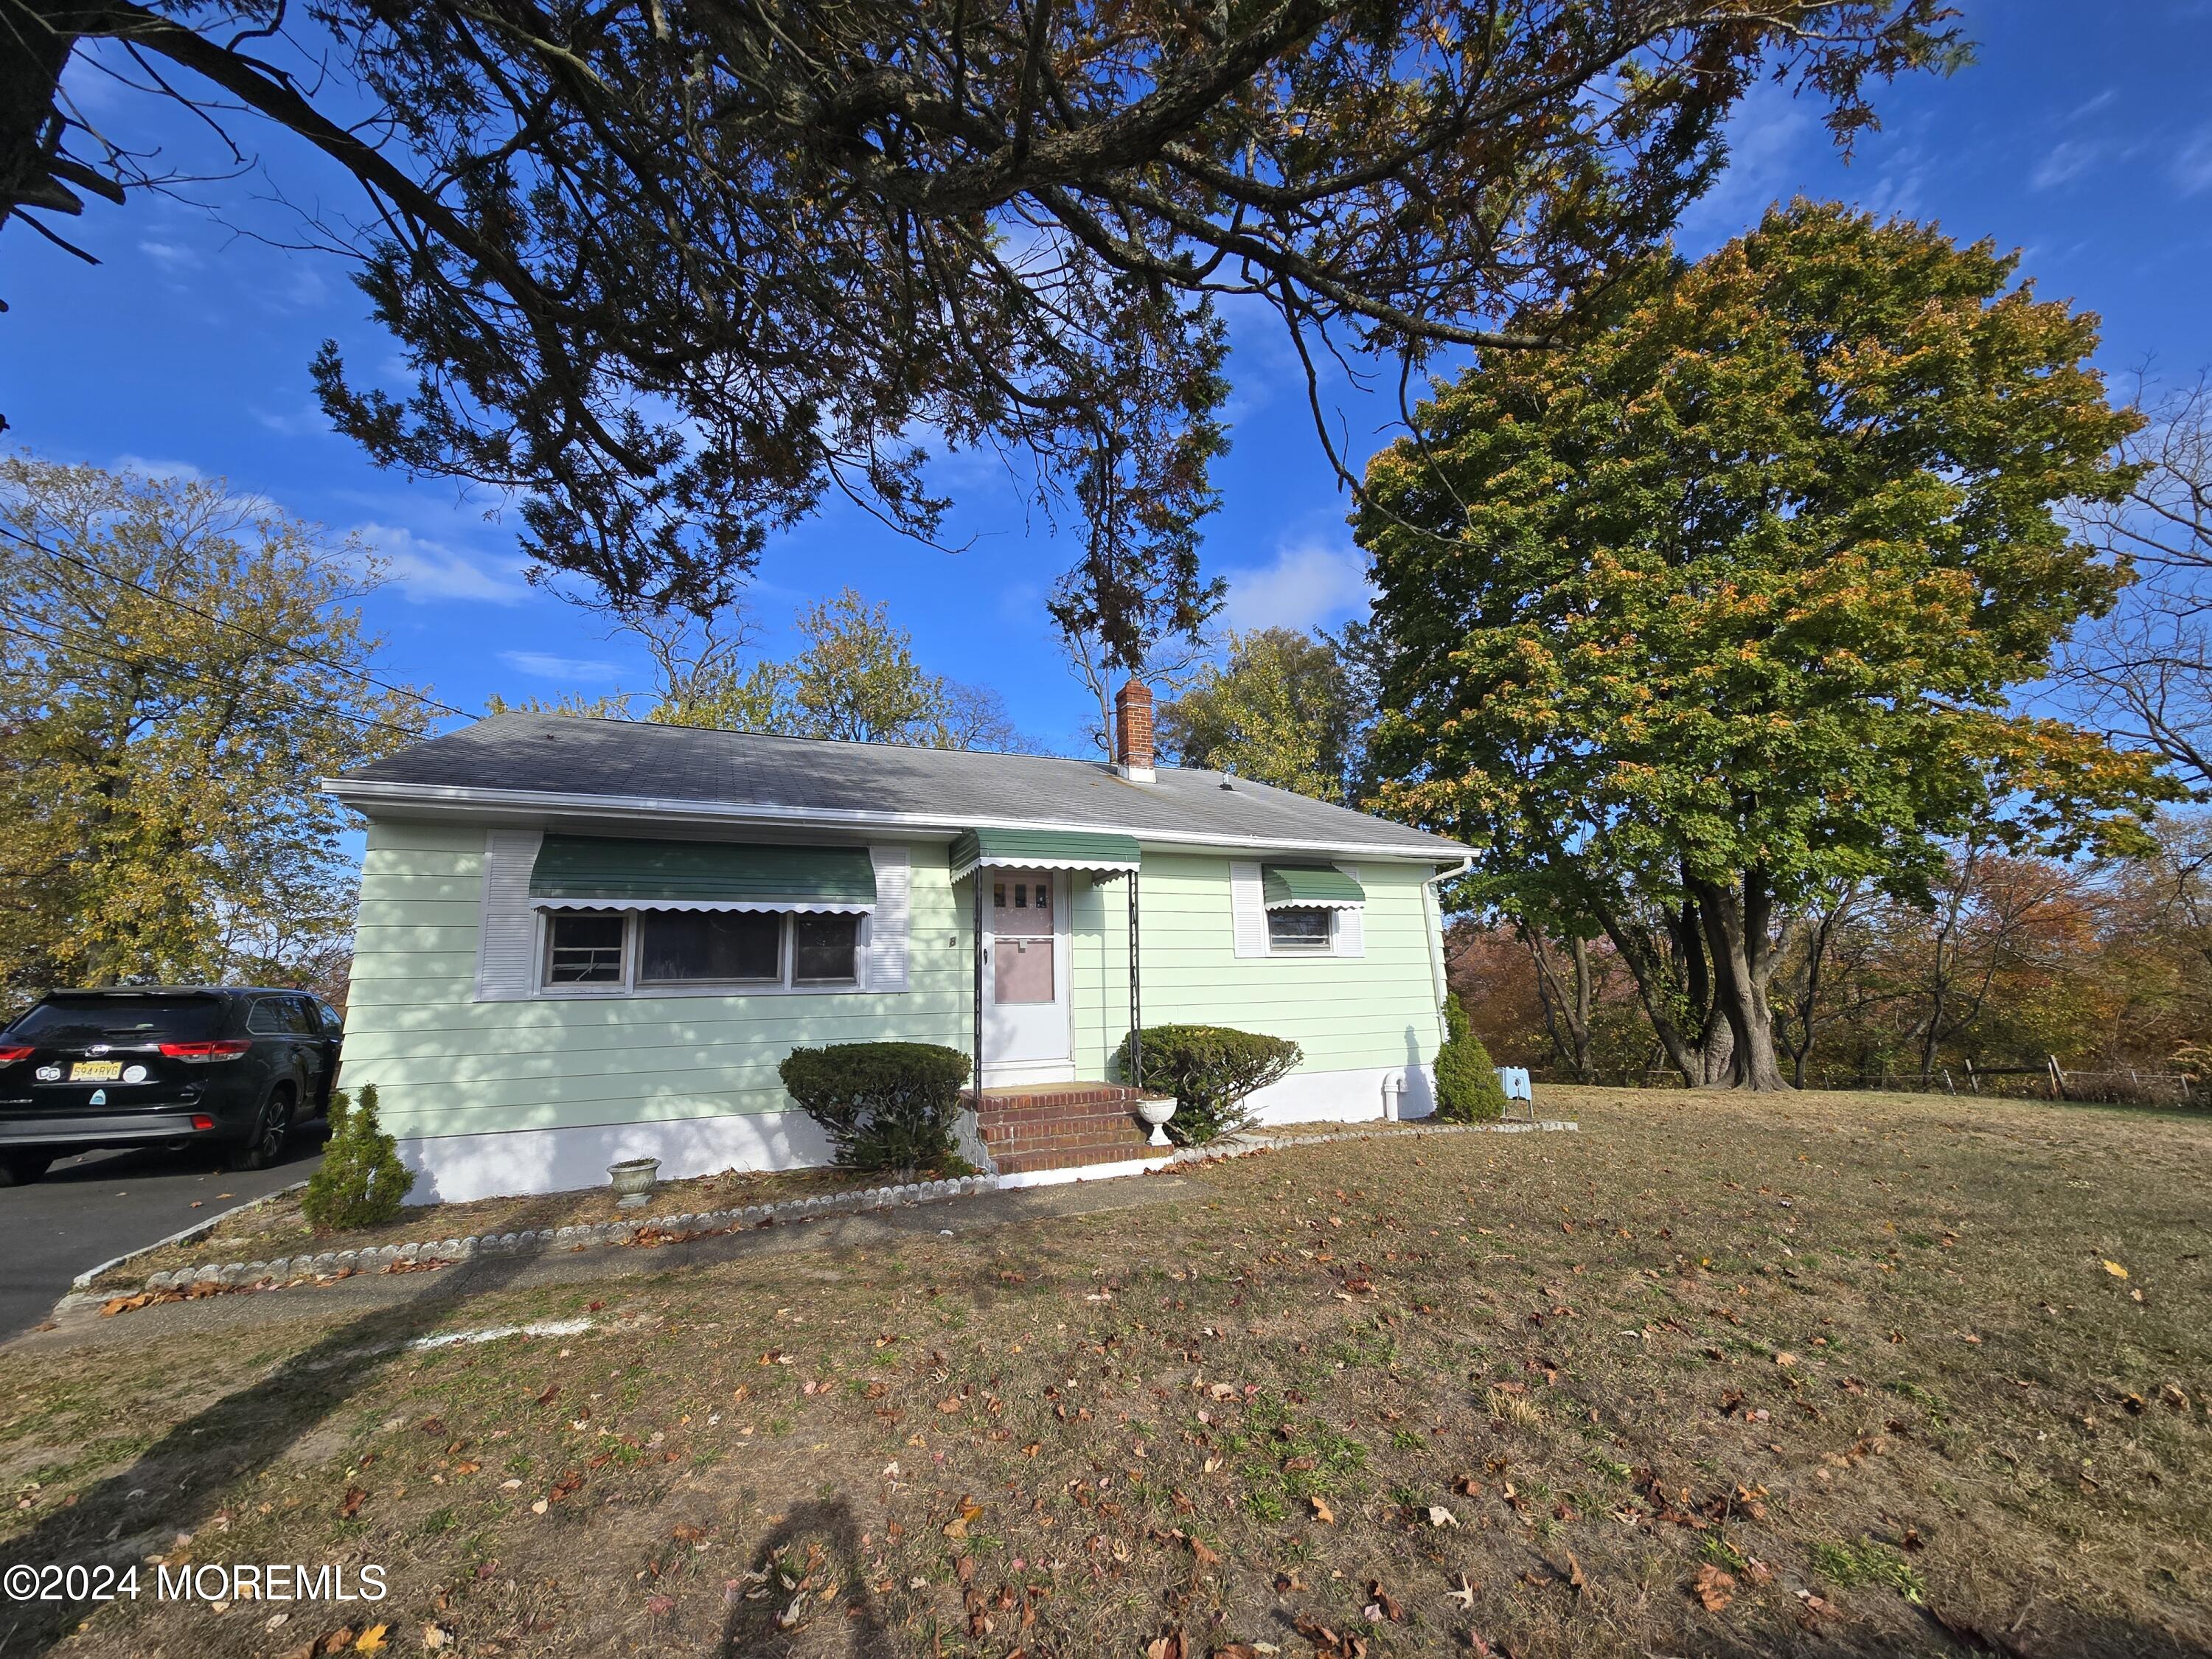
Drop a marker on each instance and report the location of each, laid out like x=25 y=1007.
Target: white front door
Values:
x=1026 y=1033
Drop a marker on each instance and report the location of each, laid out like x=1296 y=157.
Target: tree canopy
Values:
x=1283 y=710
x=178 y=669
x=1723 y=605
x=854 y=679
x=674 y=272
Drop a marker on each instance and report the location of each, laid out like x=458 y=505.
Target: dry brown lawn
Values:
x=1833 y=1374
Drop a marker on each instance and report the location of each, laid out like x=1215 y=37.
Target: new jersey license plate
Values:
x=95 y=1070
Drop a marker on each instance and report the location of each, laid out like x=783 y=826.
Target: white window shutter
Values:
x=506 y=925
x=889 y=925
x=1349 y=937
x=1248 y=908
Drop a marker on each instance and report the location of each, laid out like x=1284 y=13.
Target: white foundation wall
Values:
x=455 y=1169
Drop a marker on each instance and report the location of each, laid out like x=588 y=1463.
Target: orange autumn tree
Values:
x=1723 y=605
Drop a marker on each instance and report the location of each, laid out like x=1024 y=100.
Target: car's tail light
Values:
x=202 y=1121
x=12 y=1052
x=199 y=1054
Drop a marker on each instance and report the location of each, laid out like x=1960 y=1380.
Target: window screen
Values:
x=583 y=949
x=712 y=946
x=1298 y=929
x=824 y=948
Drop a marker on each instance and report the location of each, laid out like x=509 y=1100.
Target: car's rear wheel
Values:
x=22 y=1169
x=270 y=1130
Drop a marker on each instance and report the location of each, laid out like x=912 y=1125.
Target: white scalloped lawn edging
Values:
x=329 y=1264
x=190 y=1235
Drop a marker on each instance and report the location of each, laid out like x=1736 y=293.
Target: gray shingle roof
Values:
x=570 y=760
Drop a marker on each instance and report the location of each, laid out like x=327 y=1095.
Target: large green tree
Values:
x=854 y=678
x=1282 y=709
x=178 y=668
x=1725 y=604
x=676 y=271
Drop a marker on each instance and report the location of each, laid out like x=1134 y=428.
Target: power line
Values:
x=96 y=569
x=172 y=669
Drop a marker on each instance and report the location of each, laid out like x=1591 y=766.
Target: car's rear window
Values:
x=111 y=1019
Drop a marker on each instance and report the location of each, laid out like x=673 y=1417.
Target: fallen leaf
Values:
x=1714 y=1588
x=2116 y=1270
x=1575 y=1575
x=1441 y=1517
x=371 y=1639
x=1170 y=1646
x=969 y=1511
x=350 y=1505
x=1322 y=1513
x=1464 y=1594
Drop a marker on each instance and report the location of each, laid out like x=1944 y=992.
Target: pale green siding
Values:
x=445 y=1064
x=1345 y=1012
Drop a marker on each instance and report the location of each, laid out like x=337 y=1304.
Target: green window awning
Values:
x=1043 y=849
x=1308 y=886
x=578 y=872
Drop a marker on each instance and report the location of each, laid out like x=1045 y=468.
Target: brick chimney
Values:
x=1132 y=732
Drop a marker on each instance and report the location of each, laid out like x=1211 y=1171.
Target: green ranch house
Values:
x=584 y=940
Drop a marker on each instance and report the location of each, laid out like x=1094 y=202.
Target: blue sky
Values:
x=2081 y=137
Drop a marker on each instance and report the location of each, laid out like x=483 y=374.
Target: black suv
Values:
x=237 y=1067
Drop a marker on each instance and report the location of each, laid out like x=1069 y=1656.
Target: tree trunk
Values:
x=1737 y=933
x=1635 y=948
x=1562 y=1006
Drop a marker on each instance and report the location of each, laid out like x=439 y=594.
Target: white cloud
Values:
x=425 y=571
x=2090 y=107
x=2191 y=166
x=1768 y=137
x=1308 y=584
x=2067 y=161
x=546 y=666
x=307 y=421
x=161 y=472
x=170 y=256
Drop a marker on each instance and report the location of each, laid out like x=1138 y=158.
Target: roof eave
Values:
x=367 y=795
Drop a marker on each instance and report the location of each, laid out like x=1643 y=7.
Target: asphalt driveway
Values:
x=95 y=1206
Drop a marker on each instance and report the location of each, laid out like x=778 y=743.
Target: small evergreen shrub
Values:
x=361 y=1181
x=1468 y=1090
x=1211 y=1070
x=883 y=1105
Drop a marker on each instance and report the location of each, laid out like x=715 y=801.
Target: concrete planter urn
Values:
x=1157 y=1110
x=634 y=1178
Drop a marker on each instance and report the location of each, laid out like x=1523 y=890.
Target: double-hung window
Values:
x=1301 y=928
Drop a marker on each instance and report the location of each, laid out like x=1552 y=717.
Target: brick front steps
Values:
x=1061 y=1125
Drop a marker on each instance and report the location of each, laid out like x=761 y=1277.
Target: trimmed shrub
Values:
x=883 y=1105
x=1468 y=1090
x=361 y=1181
x=1211 y=1070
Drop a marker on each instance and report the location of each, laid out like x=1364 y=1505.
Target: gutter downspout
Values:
x=1136 y=996
x=977 y=877
x=1435 y=909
